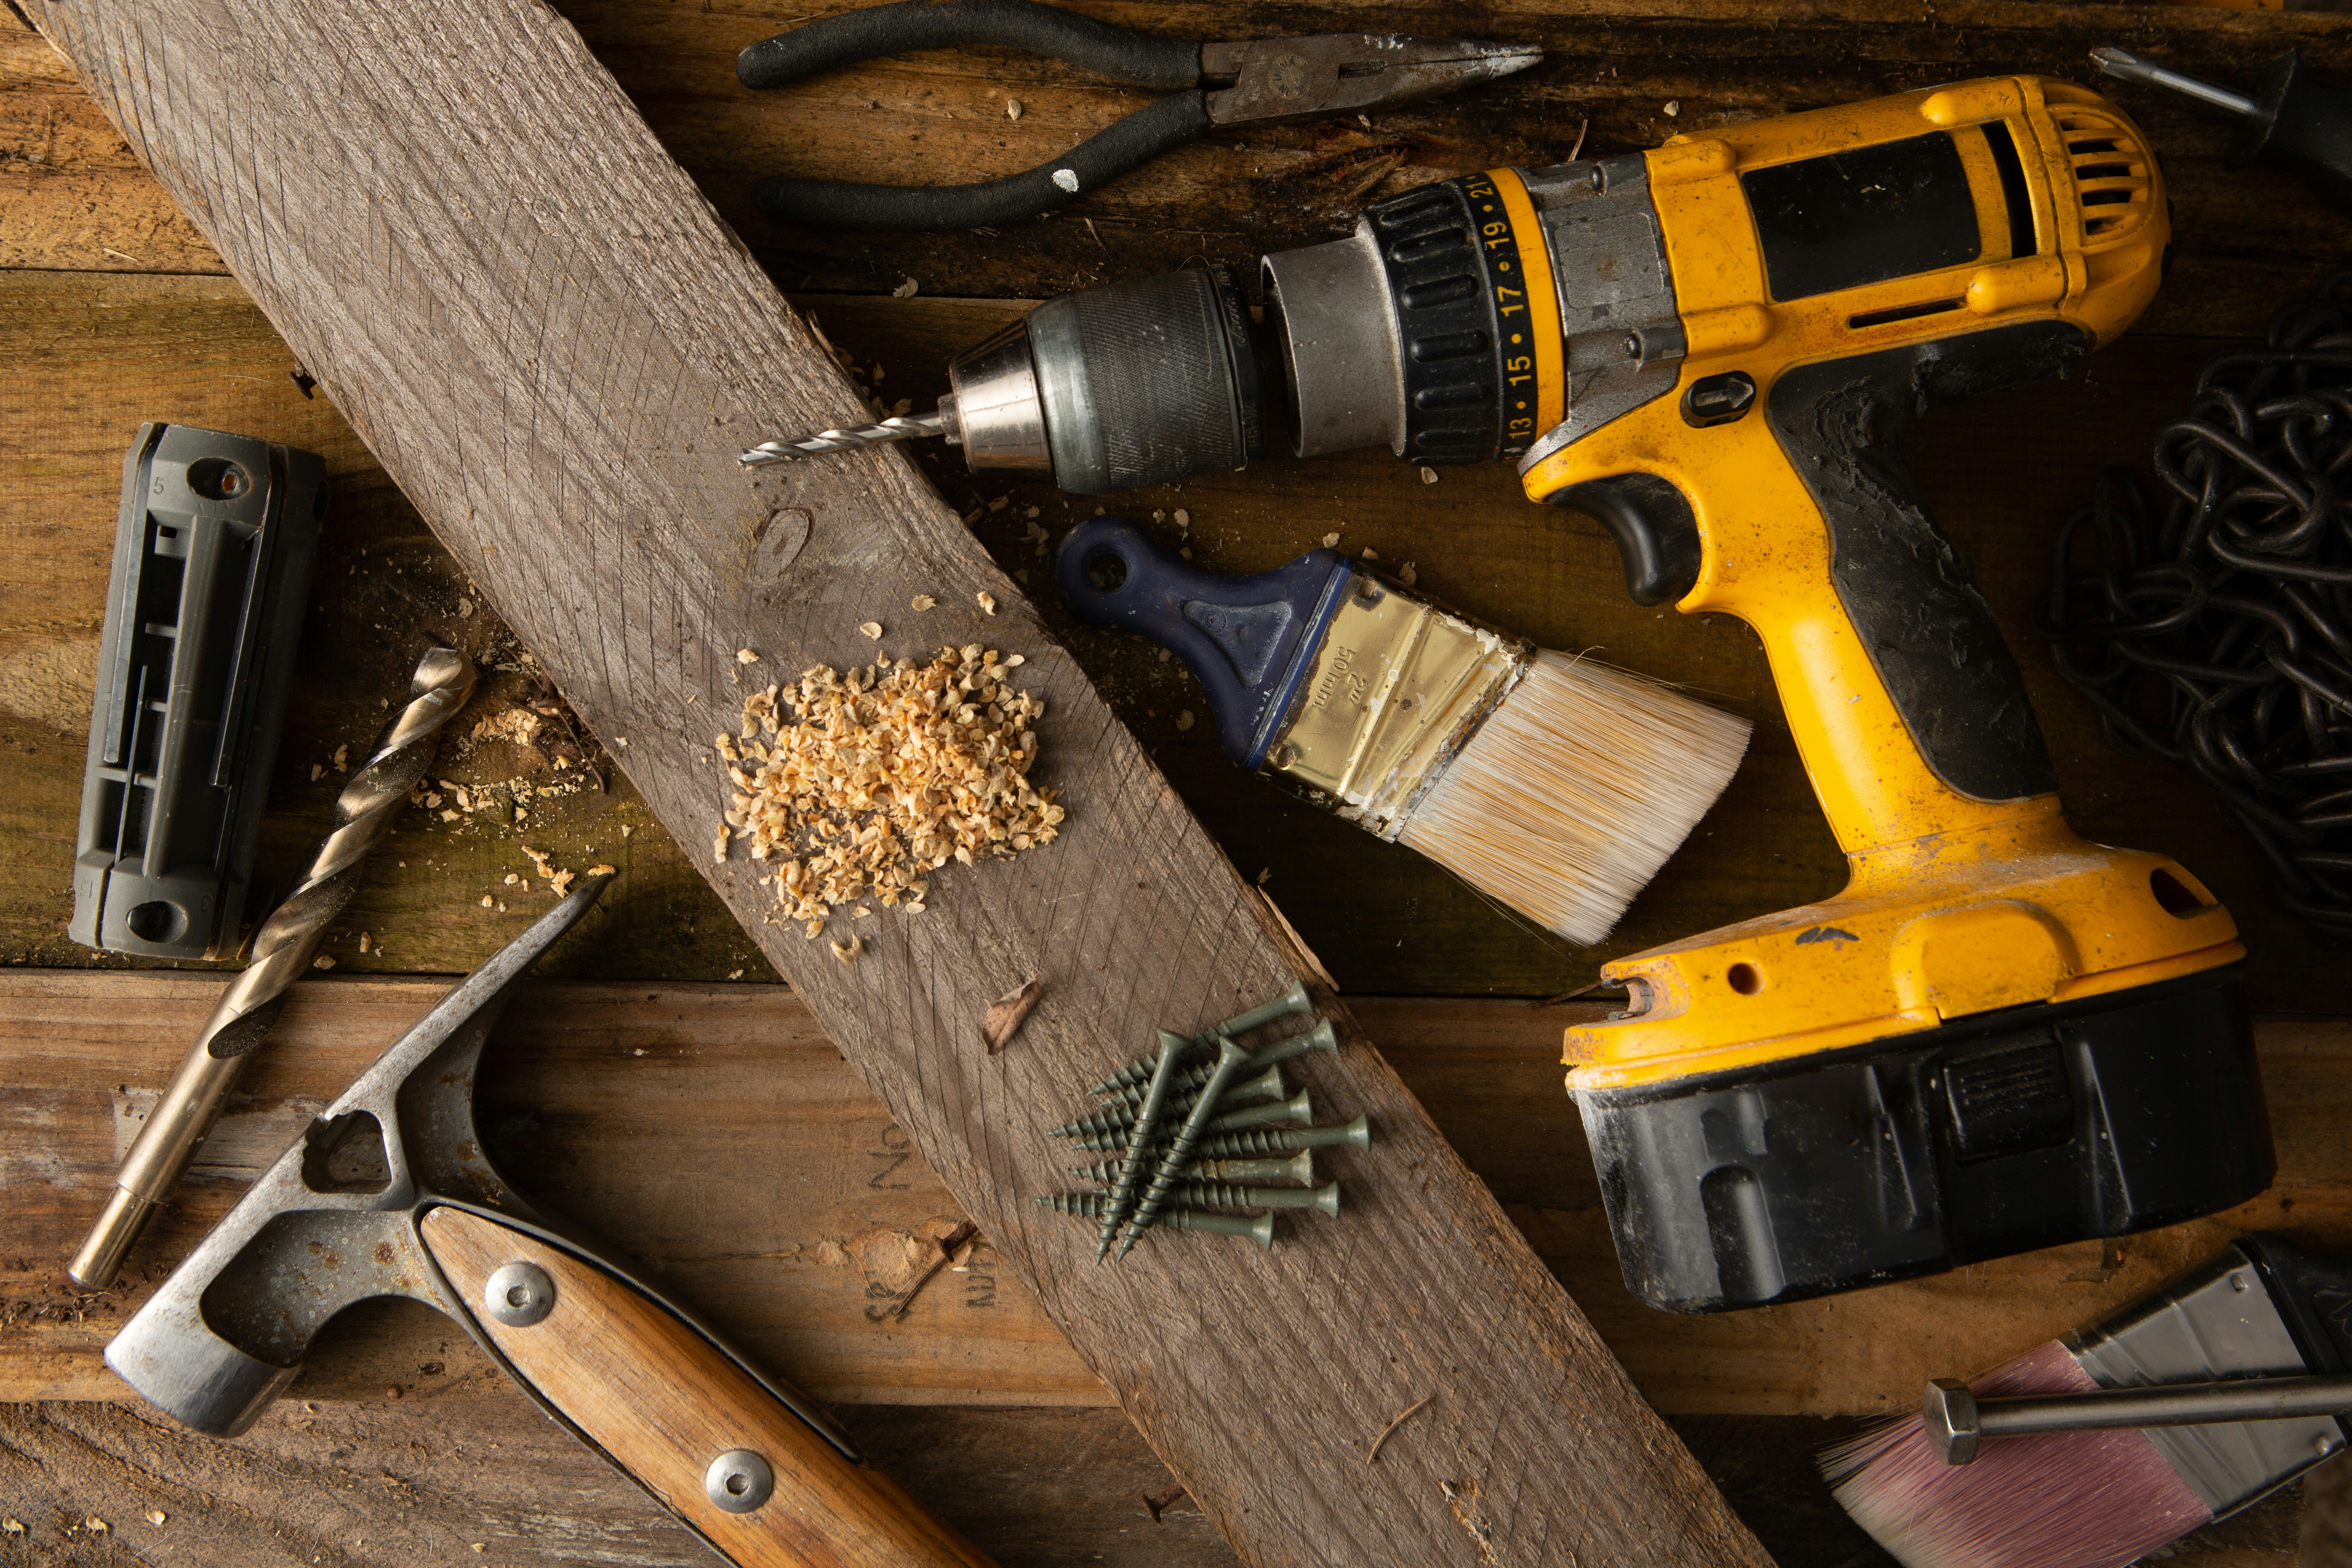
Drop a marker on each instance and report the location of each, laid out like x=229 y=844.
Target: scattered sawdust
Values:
x=882 y=776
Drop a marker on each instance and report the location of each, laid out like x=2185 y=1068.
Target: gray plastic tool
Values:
x=213 y=552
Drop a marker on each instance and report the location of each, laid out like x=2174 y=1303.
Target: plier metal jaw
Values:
x=1215 y=85
x=1279 y=80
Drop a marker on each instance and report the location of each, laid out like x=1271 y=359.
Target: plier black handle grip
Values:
x=1215 y=84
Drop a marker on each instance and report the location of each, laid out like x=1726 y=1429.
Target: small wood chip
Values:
x=1407 y=576
x=745 y=655
x=1385 y=1432
x=987 y=602
x=925 y=602
x=488 y=900
x=1007 y=1014
x=601 y=869
x=156 y=1516
x=847 y=951
x=1428 y=475
x=906 y=290
x=325 y=960
x=872 y=629
x=1331 y=540
x=1011 y=108
x=364 y=939
x=343 y=759
x=1371 y=554
x=1184 y=719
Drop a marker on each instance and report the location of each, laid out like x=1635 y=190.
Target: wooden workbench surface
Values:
x=115 y=311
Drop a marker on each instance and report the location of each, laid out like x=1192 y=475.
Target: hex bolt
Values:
x=1299 y=1107
x=1231 y=1059
x=1294 y=1000
x=1130 y=1170
x=1089 y=1205
x=1324 y=1200
x=1267 y=1085
x=1321 y=1037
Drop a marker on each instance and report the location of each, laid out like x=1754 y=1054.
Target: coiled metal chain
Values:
x=2218 y=632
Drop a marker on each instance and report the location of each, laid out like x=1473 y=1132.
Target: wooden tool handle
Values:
x=664 y=1402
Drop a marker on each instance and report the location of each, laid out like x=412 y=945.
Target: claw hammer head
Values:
x=335 y=1220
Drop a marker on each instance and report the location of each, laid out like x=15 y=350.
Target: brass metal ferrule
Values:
x=1398 y=687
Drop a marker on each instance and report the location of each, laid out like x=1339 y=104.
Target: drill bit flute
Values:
x=282 y=952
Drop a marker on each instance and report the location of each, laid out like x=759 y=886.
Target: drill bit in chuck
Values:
x=282 y=952
x=904 y=427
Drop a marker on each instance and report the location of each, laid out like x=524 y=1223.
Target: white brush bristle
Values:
x=2064 y=1499
x=1575 y=791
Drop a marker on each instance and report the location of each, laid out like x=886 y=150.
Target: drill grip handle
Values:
x=1920 y=619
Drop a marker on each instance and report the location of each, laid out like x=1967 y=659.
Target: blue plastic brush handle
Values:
x=1250 y=640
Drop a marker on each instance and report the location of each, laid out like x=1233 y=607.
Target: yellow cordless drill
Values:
x=1998 y=1036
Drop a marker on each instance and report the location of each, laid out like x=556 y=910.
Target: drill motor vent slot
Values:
x=2111 y=172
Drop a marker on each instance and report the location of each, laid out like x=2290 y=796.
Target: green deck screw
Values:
x=1267 y=1085
x=1299 y=1107
x=1130 y=1170
x=1356 y=1134
x=1294 y=1000
x=1298 y=1168
x=1321 y=1037
x=1324 y=1200
x=1231 y=1059
x=1089 y=1205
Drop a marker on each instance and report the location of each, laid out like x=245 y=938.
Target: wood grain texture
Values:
x=97 y=354
x=540 y=327
x=479 y=1476
x=591 y=1090
x=665 y=1404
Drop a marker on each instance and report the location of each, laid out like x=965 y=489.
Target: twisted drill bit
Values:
x=282 y=951
x=904 y=427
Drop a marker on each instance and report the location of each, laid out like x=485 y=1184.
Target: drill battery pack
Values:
x=213 y=552
x=2024 y=1128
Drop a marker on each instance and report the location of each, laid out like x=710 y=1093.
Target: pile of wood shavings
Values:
x=889 y=772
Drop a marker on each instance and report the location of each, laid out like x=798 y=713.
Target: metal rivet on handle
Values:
x=518 y=1295
x=739 y=1480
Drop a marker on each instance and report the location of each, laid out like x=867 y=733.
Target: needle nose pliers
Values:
x=1218 y=85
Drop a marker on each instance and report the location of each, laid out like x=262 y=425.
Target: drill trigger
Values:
x=1655 y=530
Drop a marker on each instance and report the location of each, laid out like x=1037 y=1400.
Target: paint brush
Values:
x=1556 y=786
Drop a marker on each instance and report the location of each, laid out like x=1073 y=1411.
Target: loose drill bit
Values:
x=904 y=427
x=1231 y=1059
x=282 y=951
x=2128 y=67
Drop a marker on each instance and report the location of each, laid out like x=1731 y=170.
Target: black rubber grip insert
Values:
x=1121 y=149
x=1119 y=53
x=1921 y=619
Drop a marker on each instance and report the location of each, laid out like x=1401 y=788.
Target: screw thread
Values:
x=1130 y=1170
x=1294 y=1000
x=1180 y=1101
x=1089 y=1205
x=1231 y=1059
x=1324 y=1199
x=1321 y=1037
x=1299 y=1107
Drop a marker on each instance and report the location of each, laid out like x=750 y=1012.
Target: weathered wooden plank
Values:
x=823 y=1215
x=97 y=354
x=540 y=327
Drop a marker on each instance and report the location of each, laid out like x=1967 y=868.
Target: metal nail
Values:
x=1089 y=1205
x=1130 y=1170
x=1324 y=1200
x=1294 y=1000
x=1267 y=1085
x=1231 y=1059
